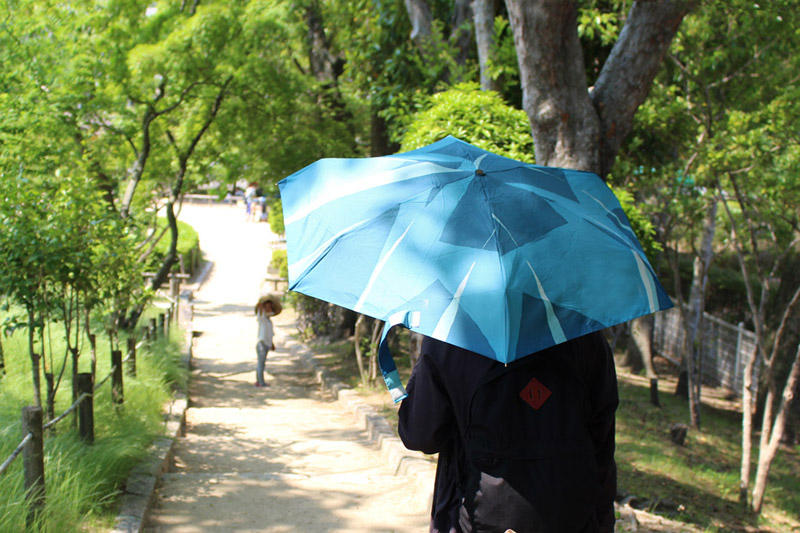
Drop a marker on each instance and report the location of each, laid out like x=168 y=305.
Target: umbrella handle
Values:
x=386 y=362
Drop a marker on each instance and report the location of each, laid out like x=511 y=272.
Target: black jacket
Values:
x=434 y=416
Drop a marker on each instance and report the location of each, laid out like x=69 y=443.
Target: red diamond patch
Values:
x=535 y=394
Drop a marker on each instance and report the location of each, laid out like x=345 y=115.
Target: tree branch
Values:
x=628 y=73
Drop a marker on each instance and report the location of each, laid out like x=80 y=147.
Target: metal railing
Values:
x=724 y=351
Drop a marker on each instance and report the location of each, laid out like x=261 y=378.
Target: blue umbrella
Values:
x=497 y=256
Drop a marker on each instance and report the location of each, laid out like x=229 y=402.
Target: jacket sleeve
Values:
x=425 y=419
x=605 y=399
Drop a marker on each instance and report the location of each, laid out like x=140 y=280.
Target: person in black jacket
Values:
x=527 y=447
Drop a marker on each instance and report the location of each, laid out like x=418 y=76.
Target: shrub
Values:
x=478 y=117
x=275 y=216
x=280 y=263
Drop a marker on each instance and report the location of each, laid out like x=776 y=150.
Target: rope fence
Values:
x=31 y=447
x=63 y=415
x=15 y=453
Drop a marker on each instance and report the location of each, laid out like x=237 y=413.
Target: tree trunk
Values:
x=483 y=12
x=379 y=136
x=36 y=375
x=75 y=392
x=414 y=346
x=628 y=73
x=320 y=59
x=565 y=126
x=461 y=34
x=172 y=252
x=2 y=360
x=136 y=170
x=374 y=339
x=634 y=358
x=50 y=388
x=747 y=426
x=357 y=346
x=421 y=23
x=572 y=126
x=694 y=318
x=93 y=356
x=767 y=453
x=642 y=337
x=691 y=383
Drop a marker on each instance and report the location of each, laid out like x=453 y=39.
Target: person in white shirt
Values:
x=268 y=306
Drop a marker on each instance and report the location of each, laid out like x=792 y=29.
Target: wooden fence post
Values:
x=174 y=286
x=162 y=325
x=33 y=460
x=132 y=355
x=153 y=328
x=117 y=394
x=86 y=407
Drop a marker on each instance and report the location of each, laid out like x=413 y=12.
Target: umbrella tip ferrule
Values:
x=480 y=172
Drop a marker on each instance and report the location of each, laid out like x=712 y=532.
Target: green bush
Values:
x=275 y=216
x=478 y=117
x=280 y=263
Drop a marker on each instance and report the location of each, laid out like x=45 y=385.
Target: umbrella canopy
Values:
x=497 y=256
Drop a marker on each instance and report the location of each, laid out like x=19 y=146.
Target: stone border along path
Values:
x=343 y=469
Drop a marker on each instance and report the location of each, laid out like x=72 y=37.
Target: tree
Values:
x=395 y=52
x=573 y=125
x=483 y=12
x=714 y=126
x=765 y=232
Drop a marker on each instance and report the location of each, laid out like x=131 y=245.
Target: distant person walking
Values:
x=249 y=198
x=268 y=306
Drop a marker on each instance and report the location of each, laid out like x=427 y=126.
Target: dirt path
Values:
x=282 y=459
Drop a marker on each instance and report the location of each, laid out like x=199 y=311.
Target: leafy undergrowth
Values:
x=696 y=483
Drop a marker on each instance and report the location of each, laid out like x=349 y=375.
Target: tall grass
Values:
x=82 y=481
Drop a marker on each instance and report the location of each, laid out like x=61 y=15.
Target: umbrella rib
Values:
x=305 y=264
x=505 y=228
x=552 y=320
x=442 y=330
x=625 y=227
x=502 y=268
x=647 y=281
x=386 y=176
x=378 y=268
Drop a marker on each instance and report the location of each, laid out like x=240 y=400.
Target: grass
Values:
x=696 y=483
x=703 y=475
x=82 y=481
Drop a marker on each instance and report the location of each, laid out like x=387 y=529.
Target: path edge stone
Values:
x=137 y=496
x=419 y=467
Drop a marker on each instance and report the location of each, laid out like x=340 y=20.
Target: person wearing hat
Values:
x=268 y=306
